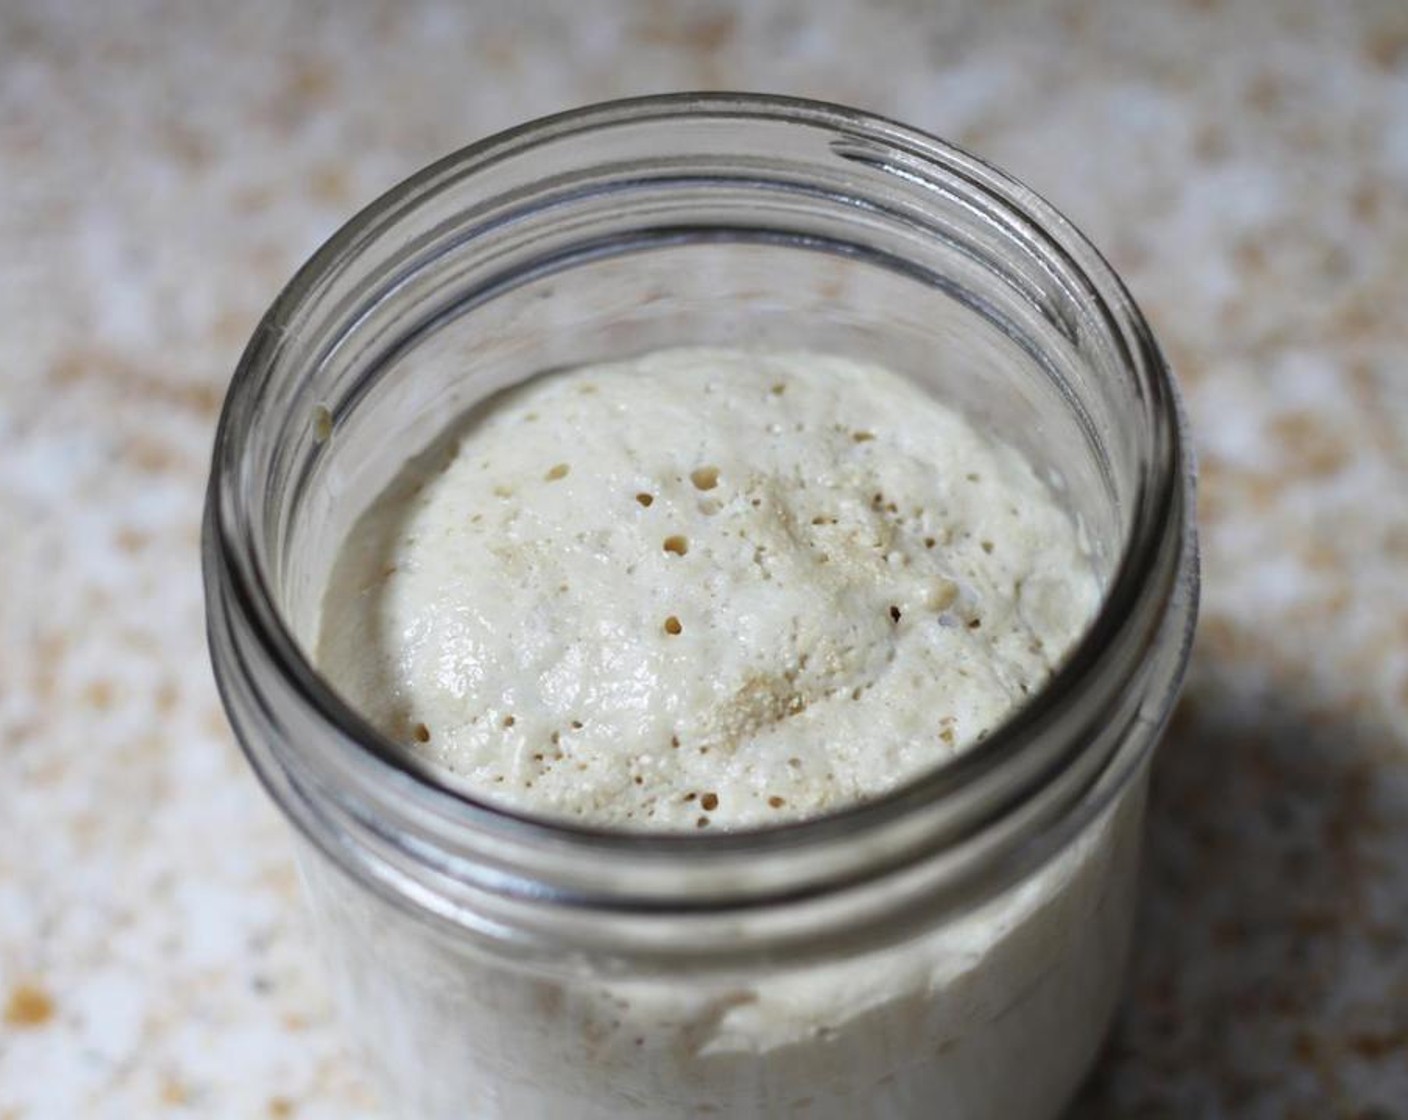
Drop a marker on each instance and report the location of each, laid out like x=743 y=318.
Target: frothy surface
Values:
x=704 y=588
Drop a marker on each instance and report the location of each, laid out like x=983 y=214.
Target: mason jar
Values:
x=953 y=948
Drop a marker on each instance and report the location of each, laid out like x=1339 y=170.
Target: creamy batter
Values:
x=713 y=589
x=704 y=588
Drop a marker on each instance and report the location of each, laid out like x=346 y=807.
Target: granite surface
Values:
x=163 y=169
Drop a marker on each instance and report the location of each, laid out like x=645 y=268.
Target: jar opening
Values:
x=514 y=250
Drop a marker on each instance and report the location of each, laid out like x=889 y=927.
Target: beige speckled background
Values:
x=163 y=168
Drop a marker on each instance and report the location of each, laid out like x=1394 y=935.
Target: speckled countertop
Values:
x=163 y=168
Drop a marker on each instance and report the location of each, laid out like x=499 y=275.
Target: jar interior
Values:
x=403 y=371
x=690 y=221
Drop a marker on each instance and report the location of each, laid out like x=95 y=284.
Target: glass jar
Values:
x=951 y=949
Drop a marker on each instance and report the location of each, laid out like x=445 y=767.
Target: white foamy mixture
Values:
x=713 y=589
x=704 y=588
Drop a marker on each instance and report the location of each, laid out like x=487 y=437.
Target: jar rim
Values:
x=1155 y=557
